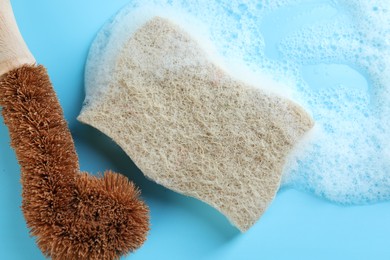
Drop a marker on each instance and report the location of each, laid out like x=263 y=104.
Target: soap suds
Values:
x=347 y=158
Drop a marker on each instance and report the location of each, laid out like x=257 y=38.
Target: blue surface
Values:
x=296 y=226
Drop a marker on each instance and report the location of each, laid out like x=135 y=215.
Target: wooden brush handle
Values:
x=13 y=50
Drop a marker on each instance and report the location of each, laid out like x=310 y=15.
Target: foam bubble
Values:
x=332 y=56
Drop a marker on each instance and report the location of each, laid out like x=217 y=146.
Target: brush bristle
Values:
x=72 y=215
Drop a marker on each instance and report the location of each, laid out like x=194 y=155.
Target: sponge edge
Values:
x=191 y=127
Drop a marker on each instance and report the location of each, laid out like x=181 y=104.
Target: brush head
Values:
x=100 y=218
x=73 y=215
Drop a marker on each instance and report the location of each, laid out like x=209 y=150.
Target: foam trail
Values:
x=332 y=56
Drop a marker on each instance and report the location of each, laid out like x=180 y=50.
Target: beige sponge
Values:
x=191 y=127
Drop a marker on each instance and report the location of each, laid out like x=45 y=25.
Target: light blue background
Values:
x=296 y=226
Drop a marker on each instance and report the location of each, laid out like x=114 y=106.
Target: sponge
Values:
x=188 y=125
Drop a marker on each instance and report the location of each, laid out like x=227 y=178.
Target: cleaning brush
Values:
x=73 y=215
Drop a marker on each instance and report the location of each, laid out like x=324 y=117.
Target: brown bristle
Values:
x=73 y=215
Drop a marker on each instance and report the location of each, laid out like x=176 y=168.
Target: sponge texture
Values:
x=191 y=127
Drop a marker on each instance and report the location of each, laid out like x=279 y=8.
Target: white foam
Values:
x=282 y=44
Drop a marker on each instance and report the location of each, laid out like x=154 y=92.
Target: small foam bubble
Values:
x=283 y=44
